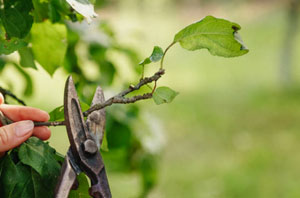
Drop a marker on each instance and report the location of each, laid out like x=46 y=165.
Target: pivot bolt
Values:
x=90 y=147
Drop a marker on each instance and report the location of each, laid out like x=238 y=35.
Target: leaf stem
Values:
x=163 y=58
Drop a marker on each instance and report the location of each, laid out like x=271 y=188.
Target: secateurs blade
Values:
x=85 y=139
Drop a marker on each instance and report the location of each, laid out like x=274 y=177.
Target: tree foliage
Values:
x=48 y=33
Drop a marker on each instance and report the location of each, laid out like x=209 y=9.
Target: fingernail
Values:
x=23 y=128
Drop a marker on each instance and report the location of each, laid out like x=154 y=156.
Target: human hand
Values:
x=14 y=134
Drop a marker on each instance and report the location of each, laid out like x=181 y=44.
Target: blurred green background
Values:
x=234 y=130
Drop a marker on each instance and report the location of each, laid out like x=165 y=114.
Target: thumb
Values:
x=15 y=134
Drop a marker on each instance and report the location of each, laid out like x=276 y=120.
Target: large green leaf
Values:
x=49 y=44
x=19 y=180
x=219 y=36
x=16 y=17
x=164 y=95
x=41 y=157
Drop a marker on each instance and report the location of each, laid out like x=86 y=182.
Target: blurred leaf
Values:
x=71 y=60
x=40 y=11
x=104 y=145
x=49 y=44
x=83 y=189
x=28 y=80
x=58 y=113
x=16 y=17
x=219 y=36
x=26 y=57
x=156 y=55
x=108 y=72
x=8 y=46
x=164 y=95
x=53 y=13
x=83 y=7
x=2 y=64
x=148 y=168
x=107 y=69
x=118 y=134
x=41 y=157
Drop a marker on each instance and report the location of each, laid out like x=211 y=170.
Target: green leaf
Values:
x=83 y=189
x=40 y=11
x=149 y=171
x=164 y=95
x=41 y=157
x=49 y=44
x=19 y=180
x=28 y=80
x=107 y=69
x=2 y=63
x=26 y=57
x=58 y=113
x=8 y=46
x=104 y=145
x=16 y=17
x=156 y=56
x=219 y=36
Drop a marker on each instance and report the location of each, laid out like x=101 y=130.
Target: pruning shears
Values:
x=85 y=138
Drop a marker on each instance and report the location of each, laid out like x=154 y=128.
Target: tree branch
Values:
x=120 y=98
x=6 y=92
x=117 y=99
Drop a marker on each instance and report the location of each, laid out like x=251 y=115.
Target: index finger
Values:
x=18 y=113
x=1 y=99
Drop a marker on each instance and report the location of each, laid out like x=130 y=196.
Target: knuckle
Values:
x=4 y=136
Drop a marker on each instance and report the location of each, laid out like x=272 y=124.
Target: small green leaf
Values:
x=26 y=57
x=164 y=95
x=49 y=44
x=156 y=56
x=83 y=189
x=104 y=145
x=58 y=113
x=219 y=36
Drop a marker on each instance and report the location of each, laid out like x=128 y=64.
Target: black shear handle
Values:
x=101 y=188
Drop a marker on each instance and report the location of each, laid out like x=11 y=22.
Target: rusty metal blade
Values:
x=96 y=120
x=66 y=180
x=75 y=123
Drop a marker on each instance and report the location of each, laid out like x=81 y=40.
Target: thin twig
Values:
x=55 y=123
x=120 y=98
x=6 y=92
x=163 y=58
x=117 y=99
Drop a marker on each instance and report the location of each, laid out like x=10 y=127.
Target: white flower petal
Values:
x=83 y=7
